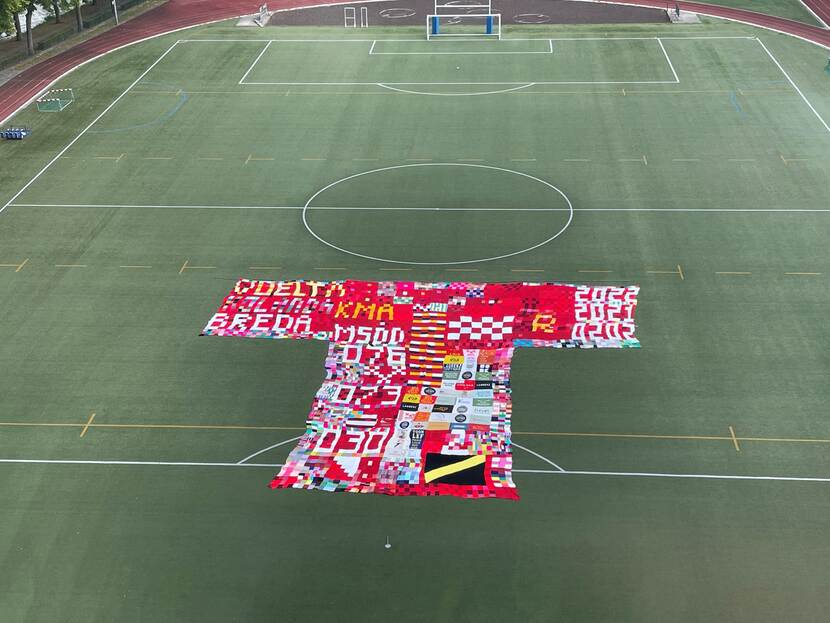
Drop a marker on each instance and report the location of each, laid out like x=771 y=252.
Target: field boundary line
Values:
x=794 y=85
x=94 y=121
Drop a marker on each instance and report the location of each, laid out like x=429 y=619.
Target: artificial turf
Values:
x=102 y=307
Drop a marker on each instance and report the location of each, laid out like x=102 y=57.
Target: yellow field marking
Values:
x=313 y=159
x=207 y=158
x=523 y=160
x=685 y=159
x=741 y=160
x=329 y=268
x=248 y=159
x=462 y=270
x=805 y=274
x=729 y=272
x=135 y=266
x=623 y=92
x=593 y=271
x=157 y=158
x=17 y=267
x=470 y=160
x=70 y=266
x=629 y=159
x=365 y=159
x=181 y=270
x=88 y=422
x=678 y=271
x=395 y=269
x=527 y=270
x=264 y=267
x=258 y=159
x=645 y=160
x=734 y=439
x=116 y=158
x=576 y=160
x=201 y=267
x=419 y=159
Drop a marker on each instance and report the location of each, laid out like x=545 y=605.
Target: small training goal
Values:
x=55 y=100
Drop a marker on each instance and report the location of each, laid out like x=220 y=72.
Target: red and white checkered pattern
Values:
x=483 y=328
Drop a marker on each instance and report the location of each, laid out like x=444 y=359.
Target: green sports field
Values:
x=691 y=160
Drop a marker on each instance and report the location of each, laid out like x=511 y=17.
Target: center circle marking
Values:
x=308 y=207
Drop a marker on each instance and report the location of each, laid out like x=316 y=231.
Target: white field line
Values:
x=433 y=53
x=671 y=66
x=276 y=445
x=456 y=53
x=462 y=40
x=487 y=83
x=669 y=475
x=219 y=207
x=256 y=60
x=94 y=121
x=537 y=455
x=794 y=85
x=518 y=471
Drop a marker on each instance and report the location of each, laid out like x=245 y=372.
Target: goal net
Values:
x=464 y=25
x=55 y=100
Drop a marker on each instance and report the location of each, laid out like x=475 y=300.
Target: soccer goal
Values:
x=463 y=18
x=55 y=100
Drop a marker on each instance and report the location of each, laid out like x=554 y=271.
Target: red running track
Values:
x=177 y=14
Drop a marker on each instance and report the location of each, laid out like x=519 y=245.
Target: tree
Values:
x=30 y=41
x=10 y=16
x=75 y=5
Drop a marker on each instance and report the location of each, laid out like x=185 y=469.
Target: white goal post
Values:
x=463 y=18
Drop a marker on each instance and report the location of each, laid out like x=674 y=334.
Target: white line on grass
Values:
x=518 y=471
x=276 y=445
x=662 y=475
x=335 y=208
x=461 y=40
x=537 y=455
x=94 y=121
x=256 y=60
x=666 y=54
x=794 y=85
